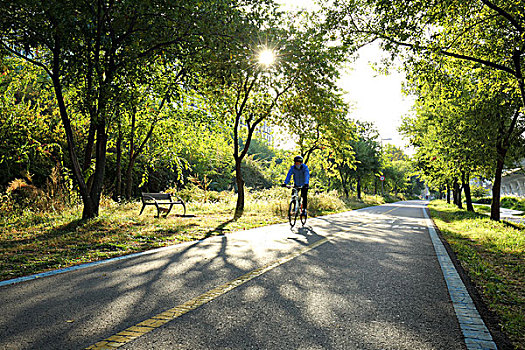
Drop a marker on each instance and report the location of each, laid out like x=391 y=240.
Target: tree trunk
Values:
x=466 y=187
x=100 y=166
x=118 y=176
x=496 y=187
x=129 y=179
x=89 y=210
x=457 y=194
x=358 y=187
x=239 y=208
x=131 y=154
x=344 y=181
x=448 y=193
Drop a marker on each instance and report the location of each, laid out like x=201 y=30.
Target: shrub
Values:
x=326 y=201
x=24 y=195
x=479 y=191
x=254 y=173
x=513 y=203
x=484 y=200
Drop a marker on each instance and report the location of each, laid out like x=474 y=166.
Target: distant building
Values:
x=513 y=183
x=263 y=131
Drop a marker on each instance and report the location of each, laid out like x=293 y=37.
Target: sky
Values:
x=375 y=97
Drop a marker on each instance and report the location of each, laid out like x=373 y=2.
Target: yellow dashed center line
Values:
x=131 y=333
x=391 y=210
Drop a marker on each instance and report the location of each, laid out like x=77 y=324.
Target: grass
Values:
x=508 y=202
x=493 y=254
x=33 y=242
x=484 y=209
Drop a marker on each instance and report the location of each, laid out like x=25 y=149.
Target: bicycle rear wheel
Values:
x=292 y=213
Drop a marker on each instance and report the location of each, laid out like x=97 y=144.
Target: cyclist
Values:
x=301 y=177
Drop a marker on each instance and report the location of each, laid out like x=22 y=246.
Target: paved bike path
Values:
x=366 y=279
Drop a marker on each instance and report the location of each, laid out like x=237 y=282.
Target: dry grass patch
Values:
x=35 y=241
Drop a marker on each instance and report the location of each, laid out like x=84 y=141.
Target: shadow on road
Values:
x=357 y=292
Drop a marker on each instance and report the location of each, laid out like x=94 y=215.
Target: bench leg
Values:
x=169 y=209
x=141 y=210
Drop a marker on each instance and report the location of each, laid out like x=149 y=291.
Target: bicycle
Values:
x=296 y=207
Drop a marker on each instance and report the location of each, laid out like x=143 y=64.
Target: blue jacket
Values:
x=301 y=176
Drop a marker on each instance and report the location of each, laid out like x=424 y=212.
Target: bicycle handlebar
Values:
x=290 y=186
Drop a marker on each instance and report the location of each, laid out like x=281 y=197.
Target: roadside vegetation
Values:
x=36 y=241
x=507 y=202
x=493 y=255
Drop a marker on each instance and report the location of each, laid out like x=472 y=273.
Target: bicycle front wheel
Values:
x=292 y=213
x=303 y=219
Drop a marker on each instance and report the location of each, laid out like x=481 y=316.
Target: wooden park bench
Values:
x=163 y=202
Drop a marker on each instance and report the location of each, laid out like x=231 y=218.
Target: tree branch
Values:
x=504 y=14
x=452 y=54
x=30 y=60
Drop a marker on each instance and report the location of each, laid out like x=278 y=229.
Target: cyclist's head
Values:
x=298 y=159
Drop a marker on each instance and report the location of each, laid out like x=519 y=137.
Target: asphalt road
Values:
x=366 y=279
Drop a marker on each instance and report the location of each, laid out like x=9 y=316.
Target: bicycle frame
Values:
x=295 y=207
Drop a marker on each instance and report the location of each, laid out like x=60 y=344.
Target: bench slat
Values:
x=157 y=196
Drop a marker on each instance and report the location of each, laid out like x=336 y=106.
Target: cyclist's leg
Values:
x=304 y=194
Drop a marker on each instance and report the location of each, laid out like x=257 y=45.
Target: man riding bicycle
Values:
x=301 y=177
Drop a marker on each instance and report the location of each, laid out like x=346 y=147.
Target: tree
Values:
x=452 y=100
x=339 y=157
x=314 y=116
x=248 y=92
x=398 y=170
x=148 y=100
x=488 y=33
x=366 y=148
x=89 y=46
x=485 y=35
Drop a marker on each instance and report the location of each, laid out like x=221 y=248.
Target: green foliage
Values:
x=367 y=156
x=479 y=191
x=149 y=104
x=31 y=141
x=464 y=61
x=254 y=174
x=102 y=58
x=514 y=203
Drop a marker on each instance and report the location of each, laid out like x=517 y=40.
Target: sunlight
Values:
x=266 y=57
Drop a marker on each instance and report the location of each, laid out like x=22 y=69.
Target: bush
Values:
x=193 y=193
x=326 y=201
x=254 y=173
x=484 y=200
x=56 y=193
x=479 y=191
x=24 y=195
x=317 y=202
x=515 y=203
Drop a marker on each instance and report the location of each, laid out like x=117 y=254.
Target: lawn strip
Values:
x=493 y=254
